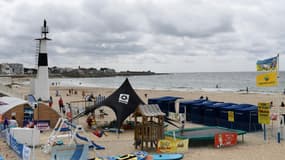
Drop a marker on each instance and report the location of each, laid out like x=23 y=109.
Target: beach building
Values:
x=19 y=108
x=25 y=113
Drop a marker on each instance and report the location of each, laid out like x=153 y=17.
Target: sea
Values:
x=203 y=81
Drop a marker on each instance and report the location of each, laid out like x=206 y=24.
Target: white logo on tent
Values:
x=124 y=98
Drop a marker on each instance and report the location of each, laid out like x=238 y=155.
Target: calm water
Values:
x=226 y=81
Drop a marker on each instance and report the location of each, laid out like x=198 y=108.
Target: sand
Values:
x=253 y=147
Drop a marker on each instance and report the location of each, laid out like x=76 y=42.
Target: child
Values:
x=182 y=123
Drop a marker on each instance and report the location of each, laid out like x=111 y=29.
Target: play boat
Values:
x=140 y=155
x=166 y=156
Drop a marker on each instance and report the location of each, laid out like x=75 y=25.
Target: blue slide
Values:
x=78 y=152
x=97 y=147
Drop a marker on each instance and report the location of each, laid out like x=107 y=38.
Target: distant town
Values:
x=17 y=69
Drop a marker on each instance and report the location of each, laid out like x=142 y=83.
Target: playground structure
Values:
x=150 y=129
x=63 y=125
x=81 y=106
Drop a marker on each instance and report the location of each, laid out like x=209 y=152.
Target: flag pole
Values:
x=278 y=117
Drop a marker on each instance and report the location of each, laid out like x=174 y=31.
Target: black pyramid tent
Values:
x=123 y=102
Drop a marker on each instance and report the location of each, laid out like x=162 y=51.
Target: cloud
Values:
x=169 y=35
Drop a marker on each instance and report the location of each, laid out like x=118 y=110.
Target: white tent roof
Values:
x=7 y=103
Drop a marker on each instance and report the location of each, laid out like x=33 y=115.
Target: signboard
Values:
x=264 y=113
x=171 y=145
x=225 y=139
x=165 y=146
x=231 y=116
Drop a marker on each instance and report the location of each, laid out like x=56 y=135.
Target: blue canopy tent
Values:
x=166 y=103
x=197 y=113
x=223 y=115
x=247 y=119
x=211 y=113
x=188 y=106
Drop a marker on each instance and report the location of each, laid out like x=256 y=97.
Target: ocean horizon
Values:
x=198 y=81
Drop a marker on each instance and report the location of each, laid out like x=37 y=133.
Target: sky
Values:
x=142 y=35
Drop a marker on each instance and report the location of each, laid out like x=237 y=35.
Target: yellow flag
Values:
x=266 y=79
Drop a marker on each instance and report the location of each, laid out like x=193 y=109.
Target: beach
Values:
x=253 y=147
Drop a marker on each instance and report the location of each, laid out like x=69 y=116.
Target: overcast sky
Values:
x=156 y=35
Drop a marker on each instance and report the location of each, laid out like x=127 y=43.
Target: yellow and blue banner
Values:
x=269 y=64
x=267 y=79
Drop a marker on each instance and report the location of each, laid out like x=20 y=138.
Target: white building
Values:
x=11 y=68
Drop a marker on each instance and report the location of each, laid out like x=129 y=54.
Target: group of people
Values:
x=12 y=123
x=71 y=92
x=206 y=98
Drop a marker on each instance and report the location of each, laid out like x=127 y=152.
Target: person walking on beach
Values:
x=56 y=93
x=50 y=102
x=83 y=94
x=60 y=104
x=247 y=90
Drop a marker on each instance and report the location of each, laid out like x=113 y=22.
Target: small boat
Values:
x=139 y=155
x=167 y=156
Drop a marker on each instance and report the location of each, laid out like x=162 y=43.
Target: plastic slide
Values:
x=78 y=152
x=97 y=147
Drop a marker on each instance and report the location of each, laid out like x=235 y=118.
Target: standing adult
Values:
x=6 y=123
x=56 y=93
x=60 y=104
x=83 y=94
x=13 y=122
x=50 y=102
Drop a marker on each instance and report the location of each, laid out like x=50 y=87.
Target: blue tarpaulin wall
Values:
x=197 y=114
x=211 y=113
x=247 y=119
x=166 y=103
x=223 y=115
x=216 y=114
x=188 y=106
